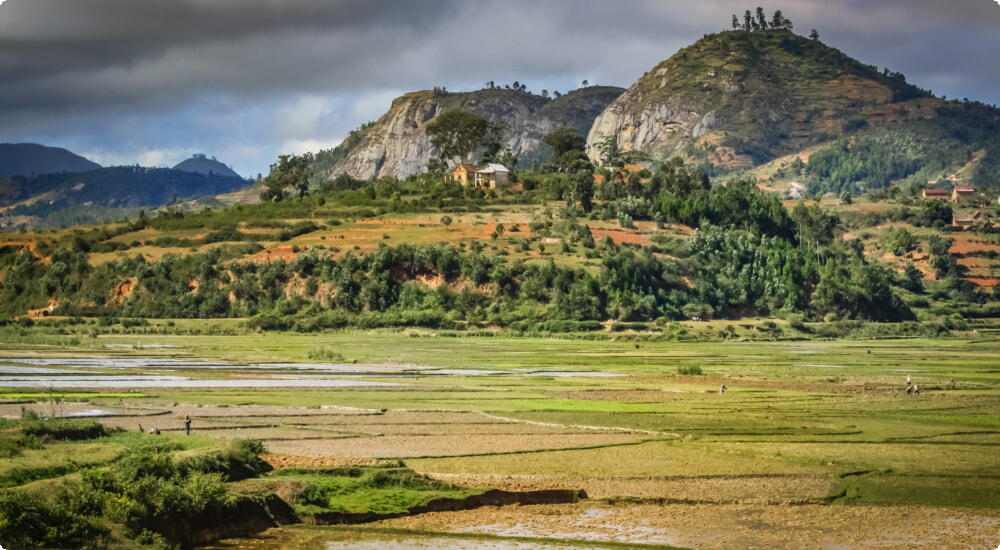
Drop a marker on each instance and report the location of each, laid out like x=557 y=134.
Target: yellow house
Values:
x=463 y=174
x=491 y=176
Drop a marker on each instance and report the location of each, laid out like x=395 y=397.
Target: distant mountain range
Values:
x=31 y=159
x=45 y=182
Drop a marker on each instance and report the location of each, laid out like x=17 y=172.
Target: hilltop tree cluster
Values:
x=757 y=21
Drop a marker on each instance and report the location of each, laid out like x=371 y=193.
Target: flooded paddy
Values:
x=157 y=372
x=663 y=457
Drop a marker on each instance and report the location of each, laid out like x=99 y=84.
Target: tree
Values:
x=585 y=83
x=761 y=20
x=563 y=140
x=492 y=143
x=736 y=22
x=814 y=35
x=446 y=220
x=913 y=278
x=457 y=133
x=582 y=189
x=747 y=21
x=290 y=172
x=778 y=21
x=610 y=152
x=901 y=241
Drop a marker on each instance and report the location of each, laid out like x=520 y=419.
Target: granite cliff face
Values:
x=397 y=144
x=739 y=99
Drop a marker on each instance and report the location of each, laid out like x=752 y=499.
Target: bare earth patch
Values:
x=729 y=525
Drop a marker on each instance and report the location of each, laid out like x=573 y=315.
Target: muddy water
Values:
x=333 y=538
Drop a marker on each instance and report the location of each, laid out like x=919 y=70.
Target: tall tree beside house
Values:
x=457 y=134
x=492 y=143
x=565 y=139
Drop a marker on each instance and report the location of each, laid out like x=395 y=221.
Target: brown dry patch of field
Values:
x=777 y=527
x=988 y=282
x=856 y=87
x=273 y=254
x=286 y=461
x=400 y=446
x=967 y=245
x=720 y=489
x=620 y=236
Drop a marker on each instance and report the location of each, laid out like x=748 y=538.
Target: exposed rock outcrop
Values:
x=754 y=96
x=397 y=144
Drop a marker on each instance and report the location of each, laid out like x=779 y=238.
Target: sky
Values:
x=153 y=82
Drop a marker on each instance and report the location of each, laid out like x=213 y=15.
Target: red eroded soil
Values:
x=965 y=247
x=620 y=236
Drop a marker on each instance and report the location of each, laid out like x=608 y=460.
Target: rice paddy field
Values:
x=814 y=444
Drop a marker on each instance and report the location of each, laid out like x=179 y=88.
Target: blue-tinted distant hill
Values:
x=116 y=187
x=31 y=159
x=200 y=164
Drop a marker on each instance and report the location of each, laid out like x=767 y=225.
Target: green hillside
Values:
x=770 y=96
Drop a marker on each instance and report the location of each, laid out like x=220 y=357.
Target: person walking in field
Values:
x=908 y=381
x=722 y=390
x=187 y=424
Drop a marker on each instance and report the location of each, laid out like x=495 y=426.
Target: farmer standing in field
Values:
x=187 y=424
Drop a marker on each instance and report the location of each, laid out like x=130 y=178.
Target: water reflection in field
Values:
x=160 y=372
x=334 y=538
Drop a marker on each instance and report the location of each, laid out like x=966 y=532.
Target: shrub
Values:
x=689 y=370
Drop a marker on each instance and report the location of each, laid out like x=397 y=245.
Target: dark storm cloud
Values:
x=65 y=53
x=157 y=76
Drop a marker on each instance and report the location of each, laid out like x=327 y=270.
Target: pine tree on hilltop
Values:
x=756 y=21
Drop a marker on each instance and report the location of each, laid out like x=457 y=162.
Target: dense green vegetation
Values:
x=750 y=254
x=131 y=497
x=384 y=489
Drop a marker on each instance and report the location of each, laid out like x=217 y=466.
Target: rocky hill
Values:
x=31 y=159
x=397 y=144
x=738 y=99
x=200 y=164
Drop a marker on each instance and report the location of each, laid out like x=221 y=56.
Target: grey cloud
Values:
x=70 y=65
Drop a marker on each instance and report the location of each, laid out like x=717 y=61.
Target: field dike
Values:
x=253 y=514
x=494 y=497
x=247 y=516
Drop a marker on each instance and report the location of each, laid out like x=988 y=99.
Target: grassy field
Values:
x=812 y=422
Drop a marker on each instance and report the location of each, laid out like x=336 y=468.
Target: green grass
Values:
x=825 y=407
x=368 y=490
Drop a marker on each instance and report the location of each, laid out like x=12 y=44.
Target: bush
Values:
x=689 y=370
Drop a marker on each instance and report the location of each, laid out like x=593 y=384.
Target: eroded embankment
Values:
x=250 y=515
x=493 y=497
